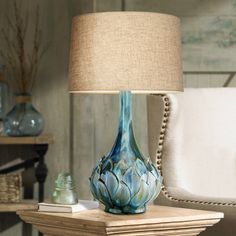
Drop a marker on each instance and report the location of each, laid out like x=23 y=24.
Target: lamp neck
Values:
x=125 y=117
x=125 y=141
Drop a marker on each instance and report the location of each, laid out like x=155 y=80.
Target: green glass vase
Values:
x=64 y=192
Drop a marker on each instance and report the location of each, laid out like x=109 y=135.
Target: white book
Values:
x=82 y=205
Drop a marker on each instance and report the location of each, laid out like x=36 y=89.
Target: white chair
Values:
x=192 y=137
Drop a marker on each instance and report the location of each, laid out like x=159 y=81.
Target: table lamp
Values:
x=126 y=52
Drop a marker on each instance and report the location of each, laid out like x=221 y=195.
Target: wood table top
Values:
x=157 y=221
x=154 y=215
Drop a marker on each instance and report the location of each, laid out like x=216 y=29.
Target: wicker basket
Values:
x=10 y=188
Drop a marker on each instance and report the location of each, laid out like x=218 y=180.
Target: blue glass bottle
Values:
x=124 y=180
x=23 y=119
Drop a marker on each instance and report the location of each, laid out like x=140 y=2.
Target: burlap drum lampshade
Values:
x=116 y=51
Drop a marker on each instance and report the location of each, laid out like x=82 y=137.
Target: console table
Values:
x=26 y=154
x=158 y=220
x=35 y=150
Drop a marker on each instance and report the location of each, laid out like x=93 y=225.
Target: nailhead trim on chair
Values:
x=167 y=110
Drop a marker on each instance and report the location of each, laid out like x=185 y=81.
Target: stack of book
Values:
x=82 y=205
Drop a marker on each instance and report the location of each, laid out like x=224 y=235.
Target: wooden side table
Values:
x=158 y=220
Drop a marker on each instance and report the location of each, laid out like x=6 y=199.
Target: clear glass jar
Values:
x=65 y=192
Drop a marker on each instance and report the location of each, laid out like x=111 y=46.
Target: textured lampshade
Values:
x=114 y=51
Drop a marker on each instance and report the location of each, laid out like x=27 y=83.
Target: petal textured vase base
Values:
x=124 y=180
x=23 y=119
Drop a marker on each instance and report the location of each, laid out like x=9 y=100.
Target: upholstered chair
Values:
x=192 y=138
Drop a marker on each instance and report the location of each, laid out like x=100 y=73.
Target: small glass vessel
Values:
x=23 y=119
x=64 y=192
x=3 y=97
x=124 y=180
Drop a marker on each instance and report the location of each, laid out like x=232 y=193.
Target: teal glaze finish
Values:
x=124 y=180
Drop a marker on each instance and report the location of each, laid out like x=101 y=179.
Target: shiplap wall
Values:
x=85 y=126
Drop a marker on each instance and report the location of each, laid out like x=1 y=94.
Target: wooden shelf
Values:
x=23 y=205
x=42 y=139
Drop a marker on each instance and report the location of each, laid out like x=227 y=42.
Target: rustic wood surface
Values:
x=22 y=205
x=42 y=139
x=158 y=220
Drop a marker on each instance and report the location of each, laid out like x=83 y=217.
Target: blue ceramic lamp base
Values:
x=124 y=180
